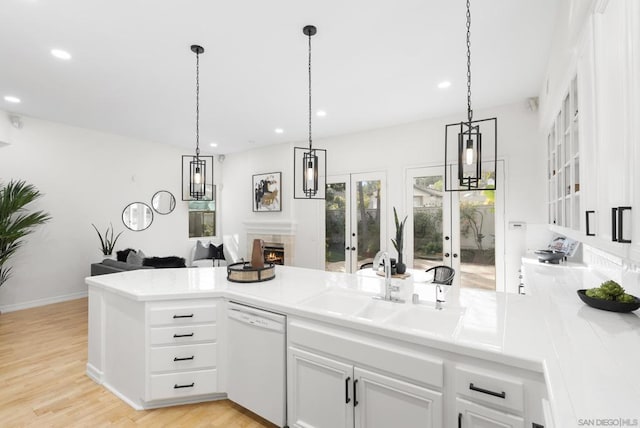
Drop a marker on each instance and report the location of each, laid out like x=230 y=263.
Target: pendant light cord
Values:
x=197 y=106
x=310 y=140
x=469 y=111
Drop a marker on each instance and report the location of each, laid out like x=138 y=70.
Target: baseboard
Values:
x=94 y=373
x=42 y=302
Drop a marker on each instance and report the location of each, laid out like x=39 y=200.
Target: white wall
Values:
x=392 y=150
x=86 y=177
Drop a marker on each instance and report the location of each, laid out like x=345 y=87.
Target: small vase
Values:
x=108 y=256
x=401 y=268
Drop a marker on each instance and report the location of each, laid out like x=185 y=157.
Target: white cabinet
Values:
x=326 y=392
x=471 y=415
x=320 y=391
x=383 y=401
x=181 y=349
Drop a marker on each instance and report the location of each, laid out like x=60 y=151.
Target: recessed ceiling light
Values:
x=60 y=54
x=213 y=144
x=11 y=99
x=278 y=130
x=321 y=113
x=444 y=84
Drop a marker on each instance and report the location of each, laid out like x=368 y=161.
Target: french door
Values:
x=355 y=220
x=457 y=229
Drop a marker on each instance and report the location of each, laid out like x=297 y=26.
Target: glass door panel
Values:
x=367 y=217
x=427 y=221
x=336 y=227
x=477 y=239
x=355 y=219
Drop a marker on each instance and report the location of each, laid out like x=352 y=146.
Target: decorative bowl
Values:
x=609 y=305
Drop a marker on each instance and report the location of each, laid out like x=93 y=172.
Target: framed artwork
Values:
x=266 y=192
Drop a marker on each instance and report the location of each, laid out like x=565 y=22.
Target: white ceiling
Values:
x=375 y=63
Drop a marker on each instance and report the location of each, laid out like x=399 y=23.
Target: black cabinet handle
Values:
x=459 y=420
x=587 y=215
x=355 y=392
x=183 y=316
x=176 y=386
x=347 y=400
x=621 y=238
x=183 y=359
x=617 y=224
x=183 y=335
x=486 y=391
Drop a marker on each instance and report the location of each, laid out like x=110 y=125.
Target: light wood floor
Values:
x=43 y=353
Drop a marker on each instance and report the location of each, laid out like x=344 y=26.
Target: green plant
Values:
x=398 y=242
x=15 y=222
x=108 y=242
x=610 y=290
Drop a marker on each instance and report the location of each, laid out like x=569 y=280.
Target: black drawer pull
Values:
x=346 y=390
x=176 y=386
x=183 y=335
x=183 y=359
x=486 y=391
x=183 y=316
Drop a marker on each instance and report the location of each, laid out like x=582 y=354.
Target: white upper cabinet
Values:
x=634 y=121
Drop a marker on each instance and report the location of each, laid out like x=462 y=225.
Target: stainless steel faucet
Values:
x=383 y=256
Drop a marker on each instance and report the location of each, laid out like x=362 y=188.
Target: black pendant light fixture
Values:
x=309 y=163
x=197 y=171
x=470 y=156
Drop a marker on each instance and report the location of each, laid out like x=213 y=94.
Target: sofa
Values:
x=130 y=259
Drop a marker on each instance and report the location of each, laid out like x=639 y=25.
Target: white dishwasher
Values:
x=257 y=361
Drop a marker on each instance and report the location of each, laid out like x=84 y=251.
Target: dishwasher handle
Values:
x=255 y=320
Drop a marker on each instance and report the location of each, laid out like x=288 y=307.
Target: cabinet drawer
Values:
x=182 y=314
x=182 y=357
x=488 y=387
x=177 y=385
x=182 y=334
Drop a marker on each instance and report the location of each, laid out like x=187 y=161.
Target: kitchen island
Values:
x=515 y=360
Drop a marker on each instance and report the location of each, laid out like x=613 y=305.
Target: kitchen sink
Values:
x=425 y=319
x=337 y=302
x=377 y=310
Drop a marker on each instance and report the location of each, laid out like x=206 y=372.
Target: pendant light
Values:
x=474 y=164
x=197 y=171
x=309 y=164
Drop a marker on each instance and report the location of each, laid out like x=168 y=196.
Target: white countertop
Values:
x=589 y=357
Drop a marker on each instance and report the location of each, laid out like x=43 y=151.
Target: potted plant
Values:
x=108 y=242
x=398 y=243
x=15 y=221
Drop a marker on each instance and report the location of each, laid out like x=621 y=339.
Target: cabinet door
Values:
x=471 y=415
x=381 y=402
x=319 y=391
x=614 y=145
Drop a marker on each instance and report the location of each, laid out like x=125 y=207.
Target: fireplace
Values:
x=274 y=253
x=280 y=232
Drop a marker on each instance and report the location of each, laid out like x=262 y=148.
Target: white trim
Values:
x=95 y=374
x=42 y=302
x=270 y=227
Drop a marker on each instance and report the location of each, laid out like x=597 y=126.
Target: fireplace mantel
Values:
x=270 y=227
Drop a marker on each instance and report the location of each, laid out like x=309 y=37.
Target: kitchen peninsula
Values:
x=159 y=337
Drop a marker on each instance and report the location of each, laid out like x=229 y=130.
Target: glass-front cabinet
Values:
x=563 y=164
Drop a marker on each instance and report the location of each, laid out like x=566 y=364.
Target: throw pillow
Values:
x=202 y=252
x=135 y=258
x=164 y=262
x=122 y=255
x=217 y=252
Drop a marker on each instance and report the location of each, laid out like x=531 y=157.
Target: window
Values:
x=202 y=218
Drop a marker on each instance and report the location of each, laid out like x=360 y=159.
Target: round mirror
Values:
x=163 y=202
x=137 y=216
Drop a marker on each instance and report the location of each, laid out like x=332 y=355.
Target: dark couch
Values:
x=113 y=266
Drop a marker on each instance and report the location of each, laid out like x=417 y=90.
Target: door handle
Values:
x=455 y=255
x=355 y=392
x=587 y=218
x=446 y=238
x=614 y=224
x=446 y=254
x=346 y=390
x=459 y=420
x=621 y=238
